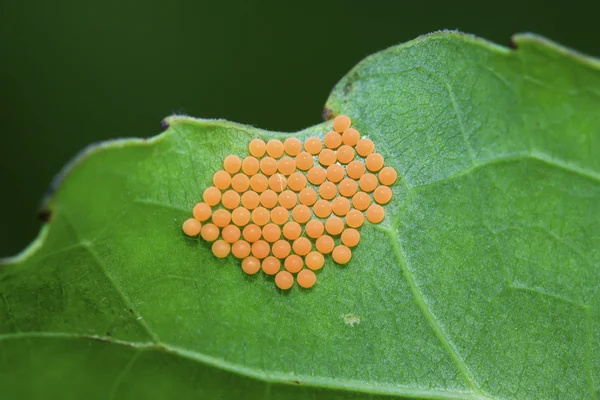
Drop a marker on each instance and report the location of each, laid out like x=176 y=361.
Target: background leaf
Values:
x=481 y=281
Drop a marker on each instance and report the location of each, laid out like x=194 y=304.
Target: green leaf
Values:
x=482 y=281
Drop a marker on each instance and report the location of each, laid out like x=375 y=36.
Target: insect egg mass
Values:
x=288 y=207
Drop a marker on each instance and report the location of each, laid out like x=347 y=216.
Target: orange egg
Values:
x=277 y=182
x=284 y=280
x=307 y=196
x=355 y=169
x=361 y=201
x=280 y=215
x=345 y=154
x=240 y=216
x=260 y=216
x=355 y=218
x=257 y=147
x=302 y=246
x=387 y=176
x=250 y=199
x=251 y=265
x=368 y=182
x=232 y=164
x=240 y=249
x=259 y=183
x=286 y=166
x=292 y=146
x=292 y=230
x=313 y=145
x=191 y=227
x=341 y=254
x=327 y=157
x=350 y=137
x=350 y=237
x=271 y=232
x=374 y=162
x=375 y=213
x=335 y=173
x=230 y=199
x=382 y=195
x=231 y=233
x=268 y=166
x=316 y=175
x=281 y=248
x=332 y=140
x=240 y=182
x=340 y=206
x=301 y=213
x=202 y=212
x=250 y=166
x=260 y=249
x=288 y=199
x=297 y=181
x=341 y=123
x=325 y=244
x=314 y=260
x=211 y=196
x=221 y=248
x=306 y=278
x=334 y=225
x=314 y=229
x=221 y=180
x=271 y=265
x=304 y=161
x=293 y=263
x=364 y=147
x=322 y=208
x=252 y=233
x=221 y=218
x=347 y=187
x=268 y=198
x=328 y=190
x=275 y=148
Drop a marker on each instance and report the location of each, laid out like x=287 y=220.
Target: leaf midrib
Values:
x=270 y=378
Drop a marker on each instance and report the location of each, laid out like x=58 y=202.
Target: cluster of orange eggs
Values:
x=318 y=182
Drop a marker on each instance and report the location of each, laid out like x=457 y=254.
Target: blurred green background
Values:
x=75 y=72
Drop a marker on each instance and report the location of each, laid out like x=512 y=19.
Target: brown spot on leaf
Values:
x=295 y=382
x=164 y=125
x=44 y=215
x=101 y=339
x=327 y=114
x=349 y=86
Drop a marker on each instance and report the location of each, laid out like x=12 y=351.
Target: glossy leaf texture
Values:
x=481 y=282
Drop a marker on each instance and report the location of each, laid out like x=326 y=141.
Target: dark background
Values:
x=75 y=72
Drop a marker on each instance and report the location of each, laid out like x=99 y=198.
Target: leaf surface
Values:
x=481 y=282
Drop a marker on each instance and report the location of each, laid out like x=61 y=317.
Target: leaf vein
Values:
x=547 y=294
x=437 y=329
x=122 y=375
x=124 y=298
